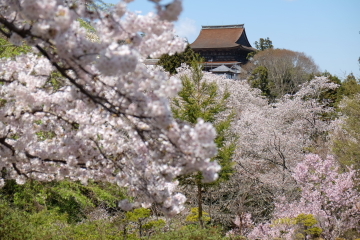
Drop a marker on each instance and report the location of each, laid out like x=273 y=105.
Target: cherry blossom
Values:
x=273 y=137
x=325 y=193
x=108 y=119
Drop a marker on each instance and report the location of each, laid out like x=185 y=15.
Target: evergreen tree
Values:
x=349 y=87
x=331 y=96
x=261 y=45
x=201 y=99
x=346 y=141
x=259 y=79
x=170 y=63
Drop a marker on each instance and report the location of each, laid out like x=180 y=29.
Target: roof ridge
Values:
x=223 y=26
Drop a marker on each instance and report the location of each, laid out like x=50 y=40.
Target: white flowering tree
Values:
x=272 y=139
x=109 y=120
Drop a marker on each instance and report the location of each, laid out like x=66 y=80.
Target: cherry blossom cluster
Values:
x=326 y=193
x=109 y=119
x=273 y=137
x=243 y=223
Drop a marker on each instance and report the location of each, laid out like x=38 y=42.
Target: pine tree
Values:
x=347 y=139
x=170 y=63
x=263 y=44
x=260 y=79
x=201 y=99
x=349 y=87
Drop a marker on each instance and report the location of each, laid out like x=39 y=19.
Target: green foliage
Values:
x=9 y=50
x=140 y=217
x=50 y=224
x=14 y=136
x=43 y=135
x=68 y=197
x=304 y=225
x=138 y=214
x=192 y=232
x=286 y=221
x=155 y=224
x=194 y=216
x=170 y=63
x=263 y=44
x=2 y=102
x=331 y=96
x=259 y=79
x=307 y=224
x=38 y=122
x=307 y=220
x=200 y=99
x=92 y=230
x=346 y=144
x=57 y=210
x=86 y=25
x=17 y=224
x=55 y=81
x=348 y=88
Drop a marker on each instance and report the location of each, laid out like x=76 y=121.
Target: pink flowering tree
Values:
x=326 y=193
x=110 y=119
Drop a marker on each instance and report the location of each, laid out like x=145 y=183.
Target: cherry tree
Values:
x=272 y=138
x=326 y=193
x=110 y=119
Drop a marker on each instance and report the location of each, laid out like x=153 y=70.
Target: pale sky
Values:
x=326 y=30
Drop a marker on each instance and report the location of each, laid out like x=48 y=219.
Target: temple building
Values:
x=224 y=48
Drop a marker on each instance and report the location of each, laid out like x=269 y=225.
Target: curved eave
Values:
x=248 y=49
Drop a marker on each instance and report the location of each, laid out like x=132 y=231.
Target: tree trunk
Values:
x=200 y=211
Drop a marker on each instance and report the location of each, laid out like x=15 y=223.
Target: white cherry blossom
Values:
x=83 y=109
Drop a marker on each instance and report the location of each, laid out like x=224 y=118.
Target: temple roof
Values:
x=151 y=61
x=224 y=36
x=222 y=68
